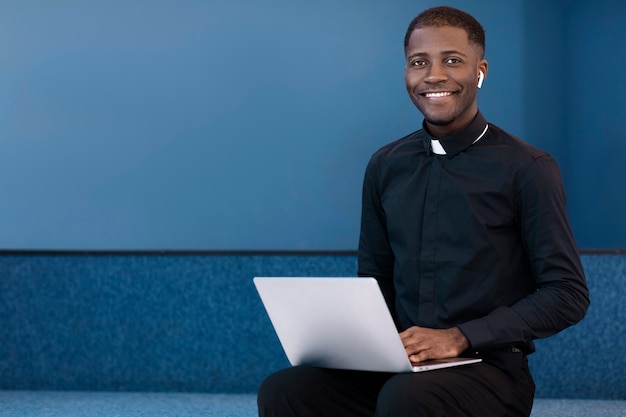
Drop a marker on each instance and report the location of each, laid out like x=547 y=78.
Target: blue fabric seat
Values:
x=126 y=404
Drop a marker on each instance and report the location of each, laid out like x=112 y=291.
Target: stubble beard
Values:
x=433 y=119
x=438 y=122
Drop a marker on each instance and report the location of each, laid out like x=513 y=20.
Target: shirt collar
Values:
x=454 y=144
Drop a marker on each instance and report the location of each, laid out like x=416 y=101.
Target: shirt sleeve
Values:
x=561 y=297
x=375 y=257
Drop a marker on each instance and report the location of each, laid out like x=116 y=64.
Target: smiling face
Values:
x=441 y=77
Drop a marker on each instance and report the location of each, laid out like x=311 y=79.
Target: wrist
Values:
x=459 y=340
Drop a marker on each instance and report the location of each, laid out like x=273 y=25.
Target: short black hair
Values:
x=448 y=16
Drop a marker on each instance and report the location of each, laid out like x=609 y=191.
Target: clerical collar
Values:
x=436 y=147
x=451 y=145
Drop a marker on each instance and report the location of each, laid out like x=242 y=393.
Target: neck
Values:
x=452 y=128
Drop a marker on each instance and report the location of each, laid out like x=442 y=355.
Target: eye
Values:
x=453 y=61
x=418 y=63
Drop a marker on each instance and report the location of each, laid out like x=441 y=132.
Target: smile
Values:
x=437 y=94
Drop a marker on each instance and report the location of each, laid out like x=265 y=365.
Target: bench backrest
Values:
x=179 y=322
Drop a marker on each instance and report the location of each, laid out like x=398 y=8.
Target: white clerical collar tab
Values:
x=435 y=145
x=438 y=149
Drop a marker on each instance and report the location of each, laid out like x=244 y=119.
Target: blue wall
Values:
x=596 y=130
x=248 y=124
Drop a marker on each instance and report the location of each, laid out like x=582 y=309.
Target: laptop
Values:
x=340 y=323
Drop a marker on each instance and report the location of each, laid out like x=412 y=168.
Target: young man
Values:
x=465 y=228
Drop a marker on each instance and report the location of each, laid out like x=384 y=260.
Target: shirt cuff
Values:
x=477 y=334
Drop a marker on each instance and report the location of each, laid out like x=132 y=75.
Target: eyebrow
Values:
x=450 y=52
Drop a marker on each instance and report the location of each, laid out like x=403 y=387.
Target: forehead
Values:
x=432 y=40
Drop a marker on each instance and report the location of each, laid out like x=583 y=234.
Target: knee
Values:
x=405 y=396
x=280 y=392
x=272 y=389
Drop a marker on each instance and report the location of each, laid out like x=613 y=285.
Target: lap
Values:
x=498 y=386
x=502 y=387
x=305 y=391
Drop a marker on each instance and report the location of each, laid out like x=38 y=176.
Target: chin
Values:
x=437 y=117
x=438 y=121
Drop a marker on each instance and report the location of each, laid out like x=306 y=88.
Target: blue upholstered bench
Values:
x=186 y=335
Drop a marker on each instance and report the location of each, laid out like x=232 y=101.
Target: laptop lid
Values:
x=341 y=323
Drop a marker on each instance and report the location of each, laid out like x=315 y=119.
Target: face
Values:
x=442 y=77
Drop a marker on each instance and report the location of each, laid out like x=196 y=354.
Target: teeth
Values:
x=442 y=94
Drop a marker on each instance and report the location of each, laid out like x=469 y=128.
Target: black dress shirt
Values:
x=478 y=238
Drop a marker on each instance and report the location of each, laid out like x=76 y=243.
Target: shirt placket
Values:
x=430 y=231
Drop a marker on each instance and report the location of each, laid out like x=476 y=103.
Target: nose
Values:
x=436 y=74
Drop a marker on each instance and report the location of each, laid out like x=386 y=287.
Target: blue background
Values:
x=247 y=125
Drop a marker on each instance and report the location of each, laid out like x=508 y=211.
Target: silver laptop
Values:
x=340 y=323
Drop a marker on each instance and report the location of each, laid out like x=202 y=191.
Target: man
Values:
x=465 y=228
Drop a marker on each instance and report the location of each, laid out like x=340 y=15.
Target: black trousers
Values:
x=500 y=385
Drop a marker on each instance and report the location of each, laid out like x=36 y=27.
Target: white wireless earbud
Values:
x=481 y=77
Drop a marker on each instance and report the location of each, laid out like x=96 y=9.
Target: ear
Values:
x=482 y=72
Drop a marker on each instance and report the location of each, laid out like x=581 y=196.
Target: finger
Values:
x=410 y=333
x=405 y=335
x=412 y=346
x=415 y=349
x=420 y=356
